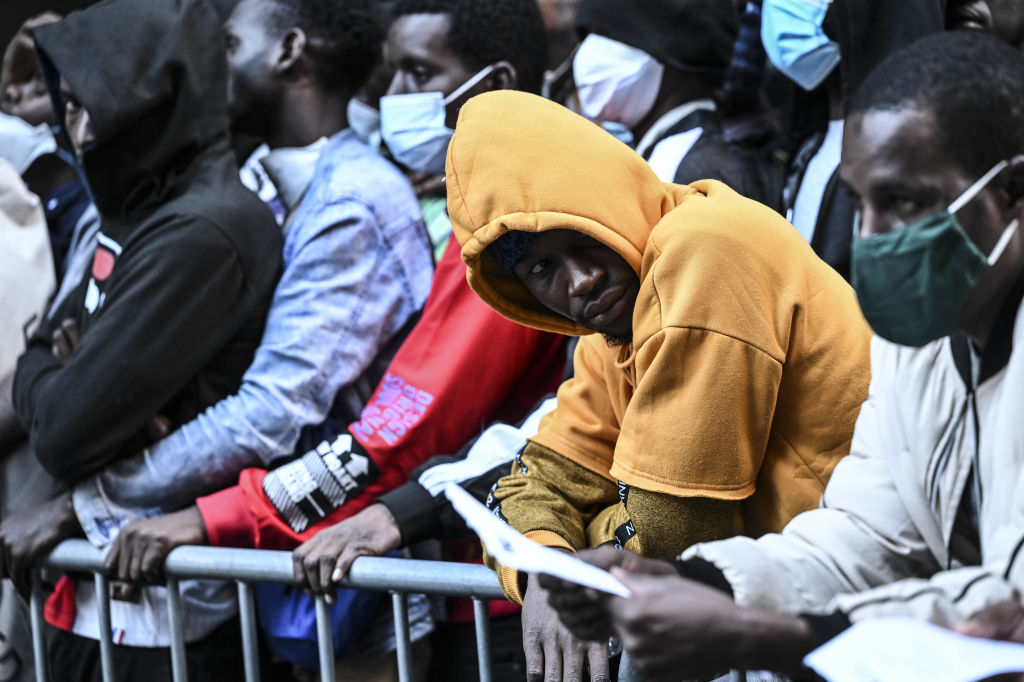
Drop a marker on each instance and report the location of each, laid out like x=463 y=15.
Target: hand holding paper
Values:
x=910 y=650
x=514 y=550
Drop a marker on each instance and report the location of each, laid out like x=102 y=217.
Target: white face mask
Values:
x=615 y=82
x=364 y=121
x=413 y=126
x=21 y=144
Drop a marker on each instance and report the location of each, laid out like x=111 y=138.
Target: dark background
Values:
x=14 y=12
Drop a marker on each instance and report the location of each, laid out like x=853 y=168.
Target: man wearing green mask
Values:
x=925 y=517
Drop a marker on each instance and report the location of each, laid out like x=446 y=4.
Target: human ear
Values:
x=504 y=76
x=1015 y=182
x=290 y=50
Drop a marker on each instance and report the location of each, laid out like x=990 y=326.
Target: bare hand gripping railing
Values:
x=245 y=566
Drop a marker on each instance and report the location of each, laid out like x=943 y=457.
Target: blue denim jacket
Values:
x=357 y=267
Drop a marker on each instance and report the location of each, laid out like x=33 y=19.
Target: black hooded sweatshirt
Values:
x=174 y=305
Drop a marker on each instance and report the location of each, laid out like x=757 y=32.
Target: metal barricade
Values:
x=246 y=566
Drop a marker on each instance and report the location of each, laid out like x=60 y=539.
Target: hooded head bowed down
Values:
x=520 y=162
x=157 y=102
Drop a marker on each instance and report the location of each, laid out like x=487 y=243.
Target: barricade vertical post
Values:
x=106 y=637
x=324 y=640
x=250 y=643
x=176 y=619
x=36 y=620
x=482 y=621
x=403 y=640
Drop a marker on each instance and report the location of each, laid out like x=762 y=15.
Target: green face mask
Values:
x=912 y=283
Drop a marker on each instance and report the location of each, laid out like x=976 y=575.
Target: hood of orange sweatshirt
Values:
x=520 y=162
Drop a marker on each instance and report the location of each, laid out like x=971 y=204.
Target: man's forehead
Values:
x=250 y=13
x=420 y=36
x=890 y=142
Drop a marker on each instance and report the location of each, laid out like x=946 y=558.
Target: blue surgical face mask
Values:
x=413 y=126
x=364 y=121
x=620 y=131
x=795 y=41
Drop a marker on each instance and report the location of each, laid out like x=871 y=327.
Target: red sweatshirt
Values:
x=462 y=367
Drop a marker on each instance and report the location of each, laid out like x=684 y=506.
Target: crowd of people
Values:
x=721 y=296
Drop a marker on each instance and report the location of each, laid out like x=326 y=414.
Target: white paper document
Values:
x=516 y=551
x=909 y=650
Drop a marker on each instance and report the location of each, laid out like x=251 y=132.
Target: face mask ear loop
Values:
x=459 y=91
x=1003 y=241
x=973 y=190
x=560 y=70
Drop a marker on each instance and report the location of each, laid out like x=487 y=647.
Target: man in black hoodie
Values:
x=167 y=320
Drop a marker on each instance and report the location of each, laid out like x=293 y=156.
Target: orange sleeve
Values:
x=699 y=421
x=585 y=425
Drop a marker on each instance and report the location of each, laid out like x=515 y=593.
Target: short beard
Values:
x=615 y=341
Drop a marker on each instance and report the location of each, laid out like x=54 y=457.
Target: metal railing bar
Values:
x=324 y=640
x=175 y=621
x=253 y=565
x=428 y=577
x=250 y=641
x=403 y=638
x=244 y=566
x=36 y=619
x=482 y=622
x=106 y=636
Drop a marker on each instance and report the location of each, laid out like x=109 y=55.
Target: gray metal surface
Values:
x=403 y=640
x=324 y=640
x=397 y=576
x=176 y=616
x=257 y=565
x=35 y=610
x=250 y=640
x=103 y=613
x=482 y=623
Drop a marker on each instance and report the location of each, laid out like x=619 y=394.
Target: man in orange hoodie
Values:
x=733 y=365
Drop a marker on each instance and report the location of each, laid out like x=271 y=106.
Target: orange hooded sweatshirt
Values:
x=749 y=359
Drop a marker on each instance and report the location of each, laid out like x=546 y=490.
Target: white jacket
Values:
x=26 y=266
x=883 y=540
